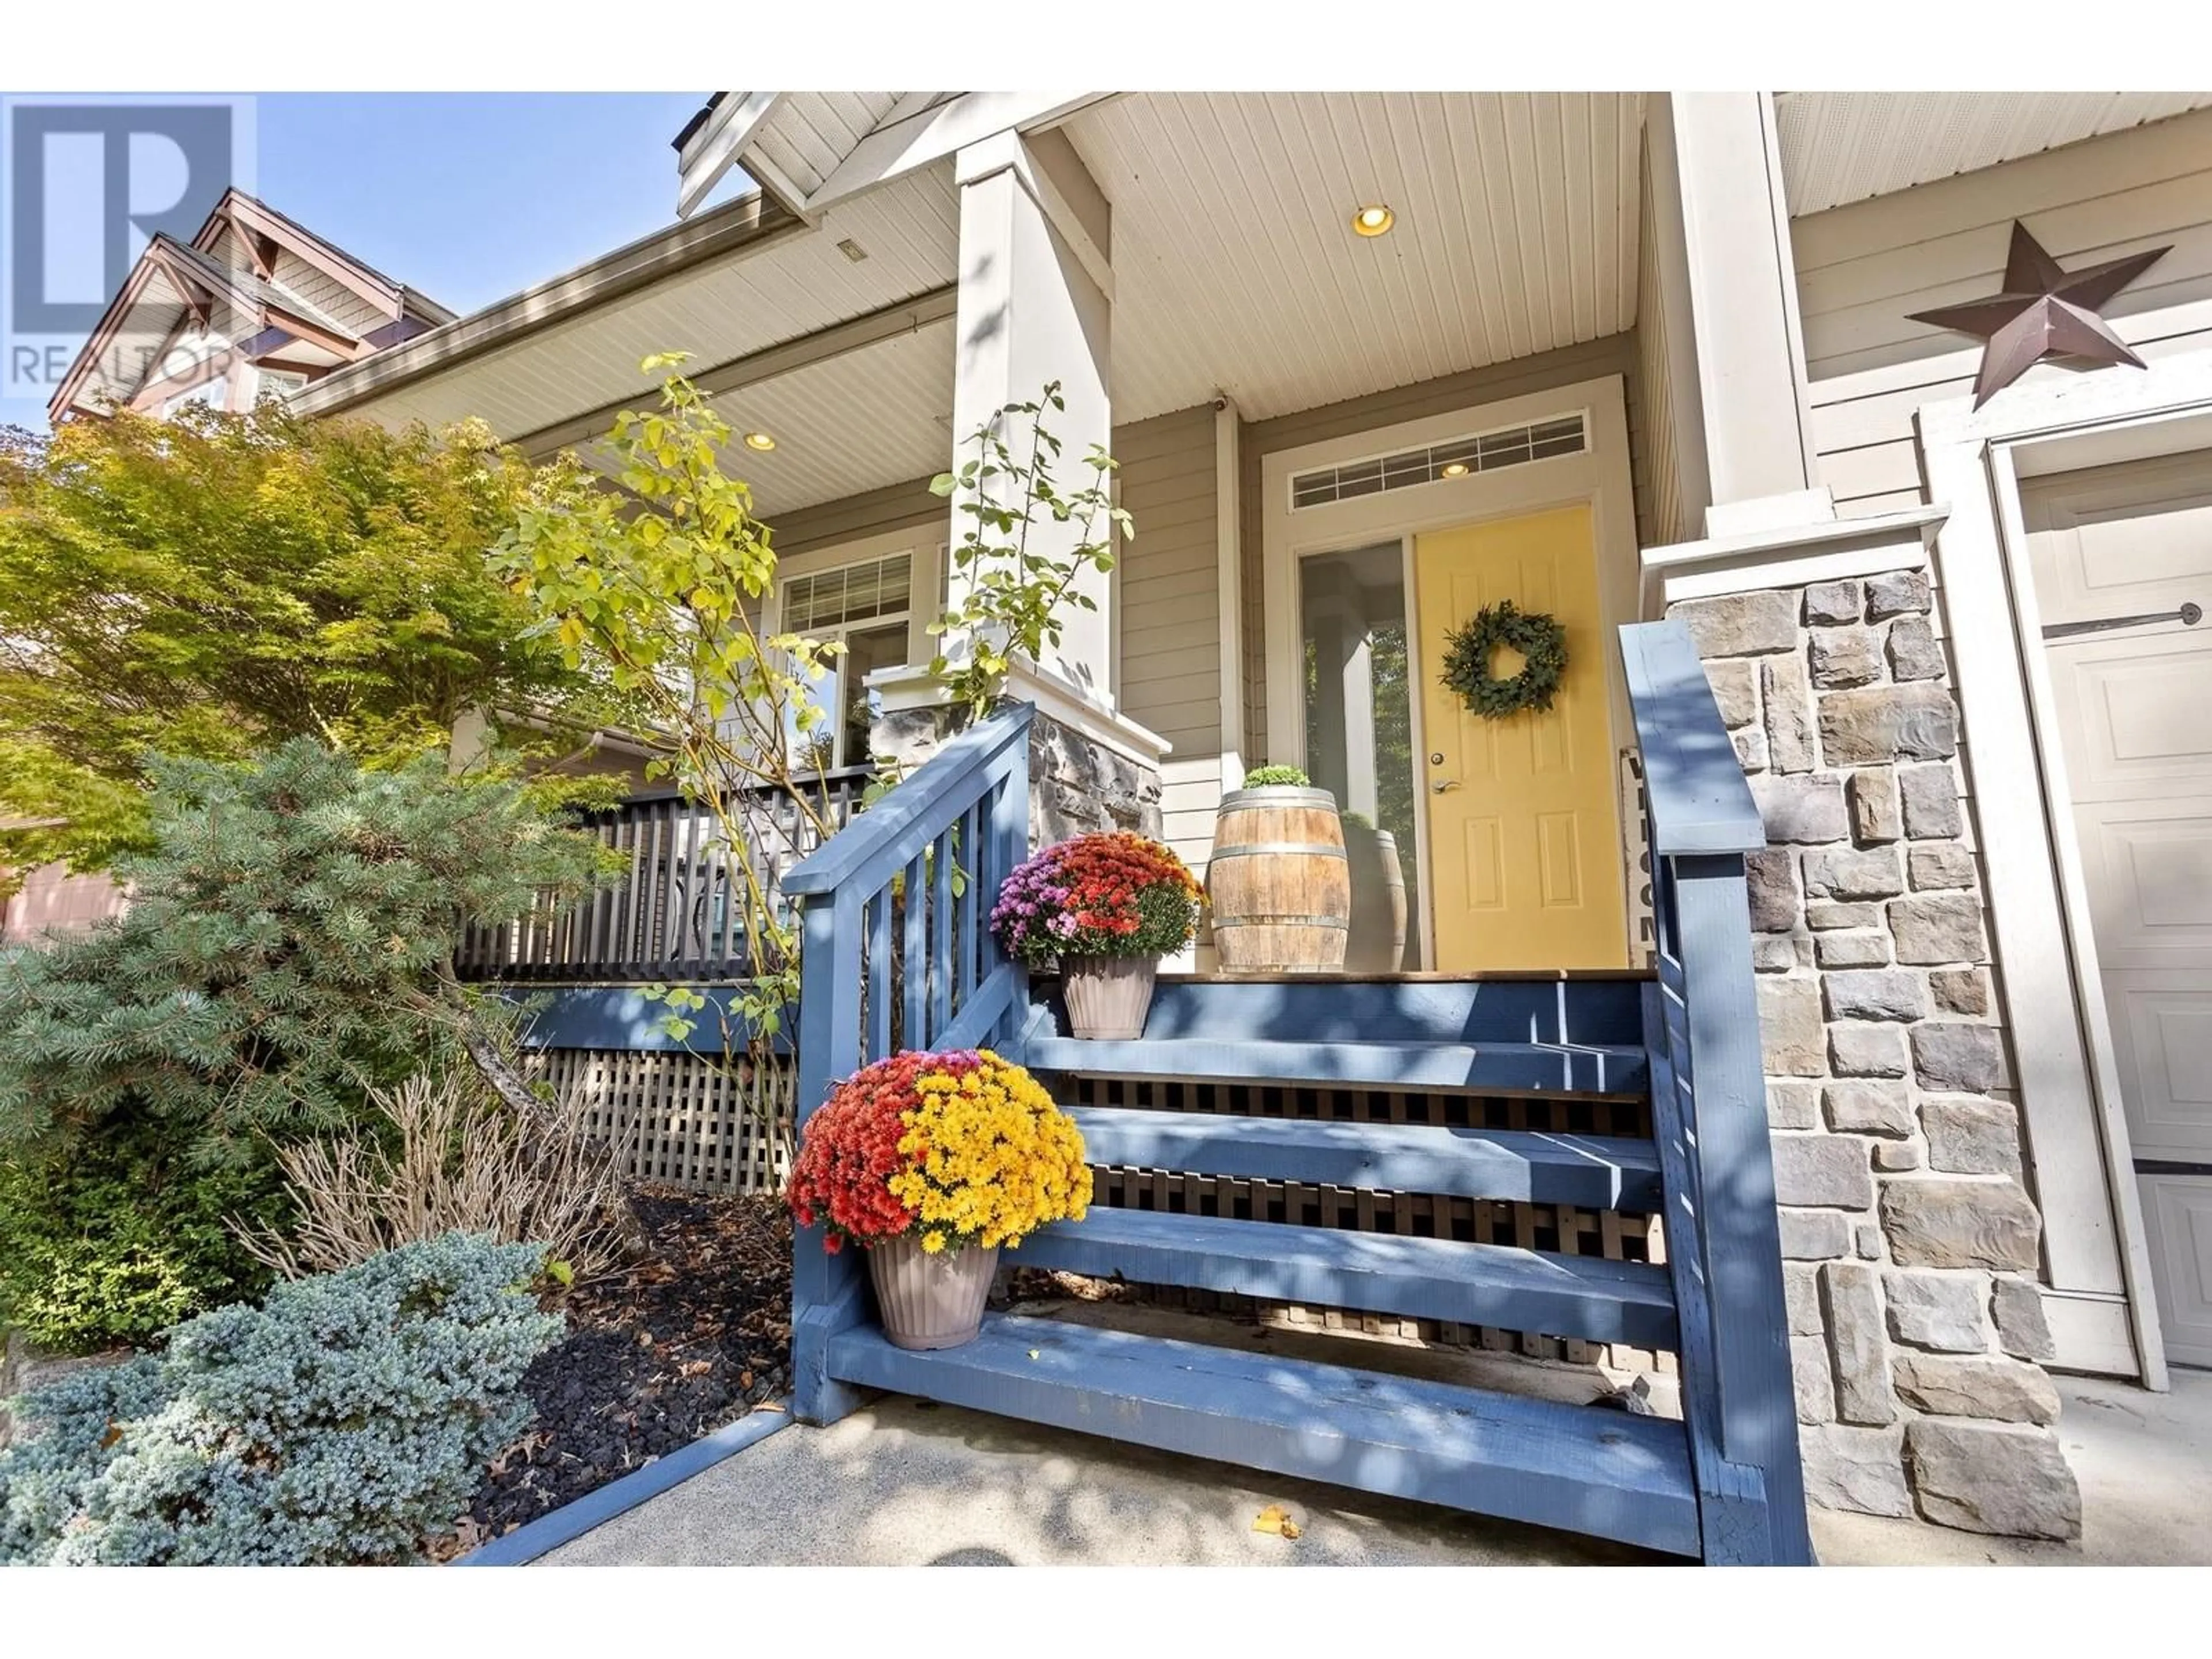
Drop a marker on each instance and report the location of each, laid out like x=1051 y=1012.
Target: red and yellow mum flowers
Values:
x=962 y=1148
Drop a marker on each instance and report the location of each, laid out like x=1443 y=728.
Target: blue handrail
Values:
x=1709 y=1111
x=898 y=954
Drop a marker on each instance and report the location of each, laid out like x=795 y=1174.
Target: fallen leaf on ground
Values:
x=1275 y=1519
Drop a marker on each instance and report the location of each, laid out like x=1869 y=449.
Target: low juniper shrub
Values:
x=344 y=1419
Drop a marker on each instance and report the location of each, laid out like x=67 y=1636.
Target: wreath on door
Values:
x=1470 y=648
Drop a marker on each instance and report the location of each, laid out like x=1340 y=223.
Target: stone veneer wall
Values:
x=1910 y=1243
x=1077 y=786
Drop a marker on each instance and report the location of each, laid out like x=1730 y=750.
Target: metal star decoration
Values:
x=2044 y=315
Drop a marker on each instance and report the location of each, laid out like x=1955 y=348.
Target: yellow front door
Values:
x=1523 y=816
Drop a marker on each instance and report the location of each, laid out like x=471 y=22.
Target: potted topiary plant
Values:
x=1278 y=882
x=931 y=1163
x=1107 y=907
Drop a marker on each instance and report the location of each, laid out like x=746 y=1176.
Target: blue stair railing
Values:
x=897 y=948
x=1709 y=1111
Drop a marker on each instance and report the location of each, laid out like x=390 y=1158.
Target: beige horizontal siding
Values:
x=1170 y=605
x=1862 y=270
x=1190 y=790
x=329 y=295
x=899 y=506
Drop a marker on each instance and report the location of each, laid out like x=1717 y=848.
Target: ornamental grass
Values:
x=1117 y=895
x=955 y=1149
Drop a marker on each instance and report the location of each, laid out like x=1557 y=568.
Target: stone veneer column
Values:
x=1910 y=1241
x=1090 y=768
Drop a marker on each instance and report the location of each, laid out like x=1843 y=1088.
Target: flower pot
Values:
x=1280 y=887
x=1108 y=997
x=930 y=1301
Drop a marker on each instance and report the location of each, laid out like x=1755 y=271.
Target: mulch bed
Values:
x=669 y=1349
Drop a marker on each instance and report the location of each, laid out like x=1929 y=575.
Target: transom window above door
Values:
x=1455 y=457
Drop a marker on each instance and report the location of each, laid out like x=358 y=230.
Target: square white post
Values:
x=1036 y=306
x=1728 y=285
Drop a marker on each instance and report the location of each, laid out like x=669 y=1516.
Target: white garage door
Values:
x=2123 y=559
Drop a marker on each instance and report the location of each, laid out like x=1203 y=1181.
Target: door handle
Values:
x=1442 y=784
x=2189 y=616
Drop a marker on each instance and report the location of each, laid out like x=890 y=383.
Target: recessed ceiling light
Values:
x=1454 y=469
x=1374 y=220
x=759 y=440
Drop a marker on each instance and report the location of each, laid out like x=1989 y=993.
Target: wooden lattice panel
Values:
x=687 y=1115
x=1561 y=1228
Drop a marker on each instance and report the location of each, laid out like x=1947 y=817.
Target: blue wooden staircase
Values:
x=1677 y=1050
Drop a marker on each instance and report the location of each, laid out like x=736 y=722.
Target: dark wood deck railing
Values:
x=676 y=913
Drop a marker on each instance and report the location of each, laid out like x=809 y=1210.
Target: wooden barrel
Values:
x=1393 y=882
x=1278 y=883
x=1377 y=945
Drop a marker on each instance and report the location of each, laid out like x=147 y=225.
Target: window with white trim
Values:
x=868 y=605
x=211 y=393
x=280 y=383
x=1455 y=457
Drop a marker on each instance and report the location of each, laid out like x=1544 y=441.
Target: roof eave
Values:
x=751 y=223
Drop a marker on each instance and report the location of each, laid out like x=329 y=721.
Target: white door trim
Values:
x=2103 y=1311
x=1598 y=477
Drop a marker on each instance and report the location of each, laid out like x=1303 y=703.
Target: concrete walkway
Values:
x=905 y=1483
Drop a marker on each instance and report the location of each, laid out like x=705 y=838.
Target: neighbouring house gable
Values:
x=253 y=302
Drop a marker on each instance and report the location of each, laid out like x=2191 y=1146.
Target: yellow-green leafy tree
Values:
x=657 y=590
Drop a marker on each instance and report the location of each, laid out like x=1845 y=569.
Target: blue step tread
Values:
x=1575 y=1296
x=1322 y=1009
x=1619 y=1071
x=1593 y=1172
x=1605 y=1474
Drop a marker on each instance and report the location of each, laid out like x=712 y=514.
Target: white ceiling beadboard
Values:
x=847 y=425
x=732 y=307
x=1235 y=267
x=1840 y=147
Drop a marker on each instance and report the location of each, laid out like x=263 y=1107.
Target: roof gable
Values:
x=252 y=281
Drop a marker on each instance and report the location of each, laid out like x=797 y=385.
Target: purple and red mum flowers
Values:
x=1116 y=895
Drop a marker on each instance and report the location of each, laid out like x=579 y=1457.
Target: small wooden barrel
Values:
x=1378 y=902
x=1278 y=882
x=1394 y=878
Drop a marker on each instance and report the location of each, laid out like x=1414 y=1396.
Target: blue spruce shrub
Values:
x=344 y=1419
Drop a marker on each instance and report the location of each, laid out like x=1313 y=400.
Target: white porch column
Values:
x=1036 y=306
x=1727 y=282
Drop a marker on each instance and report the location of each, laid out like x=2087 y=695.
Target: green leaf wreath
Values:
x=1539 y=638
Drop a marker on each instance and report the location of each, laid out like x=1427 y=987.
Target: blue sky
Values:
x=467 y=197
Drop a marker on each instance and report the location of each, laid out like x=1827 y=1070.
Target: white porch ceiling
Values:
x=1235 y=269
x=847 y=425
x=790 y=286
x=1840 y=147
